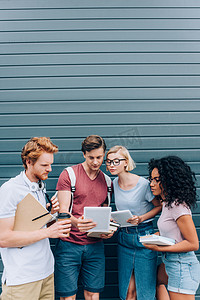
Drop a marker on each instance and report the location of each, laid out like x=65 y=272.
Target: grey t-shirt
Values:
x=137 y=200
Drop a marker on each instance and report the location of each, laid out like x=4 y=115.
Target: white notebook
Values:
x=113 y=227
x=154 y=239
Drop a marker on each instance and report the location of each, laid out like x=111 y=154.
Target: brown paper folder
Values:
x=28 y=209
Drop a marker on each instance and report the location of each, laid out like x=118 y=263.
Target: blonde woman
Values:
x=137 y=265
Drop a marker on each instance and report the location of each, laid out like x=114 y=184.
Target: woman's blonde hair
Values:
x=130 y=162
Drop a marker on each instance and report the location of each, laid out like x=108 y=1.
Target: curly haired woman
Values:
x=173 y=182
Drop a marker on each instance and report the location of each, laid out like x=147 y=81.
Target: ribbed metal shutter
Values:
x=126 y=70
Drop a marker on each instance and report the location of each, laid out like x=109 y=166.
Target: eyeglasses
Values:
x=116 y=162
x=155 y=180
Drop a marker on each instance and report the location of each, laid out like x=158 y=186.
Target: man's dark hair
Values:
x=93 y=142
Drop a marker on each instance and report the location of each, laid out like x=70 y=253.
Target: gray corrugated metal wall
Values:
x=127 y=70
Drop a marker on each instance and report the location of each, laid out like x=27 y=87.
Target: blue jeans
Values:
x=133 y=256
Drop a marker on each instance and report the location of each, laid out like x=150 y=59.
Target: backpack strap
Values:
x=72 y=178
x=109 y=189
x=73 y=186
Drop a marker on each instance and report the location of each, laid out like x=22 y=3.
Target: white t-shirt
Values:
x=137 y=200
x=33 y=262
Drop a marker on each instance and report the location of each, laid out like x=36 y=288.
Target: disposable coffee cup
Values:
x=63 y=216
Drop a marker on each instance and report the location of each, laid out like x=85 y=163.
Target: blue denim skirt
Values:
x=183 y=270
x=134 y=257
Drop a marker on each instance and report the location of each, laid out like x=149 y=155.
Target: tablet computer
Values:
x=121 y=216
x=101 y=216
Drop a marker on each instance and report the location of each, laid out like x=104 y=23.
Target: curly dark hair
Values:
x=177 y=180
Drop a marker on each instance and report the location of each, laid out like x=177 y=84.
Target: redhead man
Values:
x=27 y=257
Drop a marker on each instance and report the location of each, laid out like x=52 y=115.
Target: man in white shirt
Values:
x=27 y=257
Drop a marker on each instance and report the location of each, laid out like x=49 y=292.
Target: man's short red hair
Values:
x=35 y=147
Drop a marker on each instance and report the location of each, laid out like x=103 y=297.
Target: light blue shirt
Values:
x=137 y=200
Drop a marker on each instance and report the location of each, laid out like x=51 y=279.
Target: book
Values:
x=121 y=216
x=31 y=215
x=113 y=227
x=154 y=239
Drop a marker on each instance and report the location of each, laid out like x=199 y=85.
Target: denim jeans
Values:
x=73 y=259
x=133 y=256
x=183 y=270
